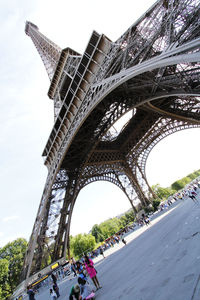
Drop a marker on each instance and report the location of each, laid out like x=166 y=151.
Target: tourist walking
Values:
x=89 y=265
x=54 y=278
x=192 y=195
x=56 y=289
x=123 y=241
x=101 y=251
x=30 y=293
x=145 y=219
x=73 y=269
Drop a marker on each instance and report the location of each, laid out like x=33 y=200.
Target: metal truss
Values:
x=49 y=51
x=153 y=71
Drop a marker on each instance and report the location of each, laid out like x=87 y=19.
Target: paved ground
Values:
x=159 y=262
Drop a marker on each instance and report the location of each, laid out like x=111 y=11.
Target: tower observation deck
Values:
x=152 y=71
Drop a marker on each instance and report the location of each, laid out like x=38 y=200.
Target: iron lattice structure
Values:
x=152 y=71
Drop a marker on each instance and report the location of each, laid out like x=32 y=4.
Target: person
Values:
x=85 y=289
x=56 y=290
x=101 y=251
x=73 y=261
x=145 y=219
x=124 y=241
x=80 y=270
x=73 y=269
x=89 y=265
x=75 y=293
x=54 y=278
x=169 y=202
x=192 y=195
x=53 y=294
x=30 y=293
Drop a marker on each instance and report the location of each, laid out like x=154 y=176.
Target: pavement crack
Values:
x=194 y=291
x=187 y=238
x=195 y=233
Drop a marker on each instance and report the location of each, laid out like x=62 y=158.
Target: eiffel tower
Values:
x=152 y=71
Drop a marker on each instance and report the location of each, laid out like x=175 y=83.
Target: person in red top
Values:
x=89 y=265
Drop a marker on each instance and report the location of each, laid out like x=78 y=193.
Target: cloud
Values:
x=10 y=218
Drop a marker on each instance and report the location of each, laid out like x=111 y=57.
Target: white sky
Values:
x=27 y=113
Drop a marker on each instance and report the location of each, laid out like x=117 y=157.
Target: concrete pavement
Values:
x=159 y=262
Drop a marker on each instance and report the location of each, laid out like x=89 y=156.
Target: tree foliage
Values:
x=86 y=242
x=4 y=286
x=130 y=216
x=127 y=218
x=82 y=243
x=97 y=233
x=11 y=262
x=181 y=183
x=112 y=226
x=155 y=204
x=161 y=192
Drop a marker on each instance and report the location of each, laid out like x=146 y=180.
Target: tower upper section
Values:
x=71 y=76
x=60 y=64
x=49 y=51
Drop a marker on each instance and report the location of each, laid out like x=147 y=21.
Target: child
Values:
x=53 y=294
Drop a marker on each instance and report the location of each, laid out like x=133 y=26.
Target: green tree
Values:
x=97 y=233
x=123 y=221
x=82 y=243
x=11 y=262
x=130 y=216
x=4 y=271
x=180 y=184
x=162 y=193
x=194 y=175
x=110 y=227
x=127 y=218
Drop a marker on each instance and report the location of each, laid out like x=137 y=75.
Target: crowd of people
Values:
x=84 y=268
x=54 y=290
x=82 y=290
x=190 y=191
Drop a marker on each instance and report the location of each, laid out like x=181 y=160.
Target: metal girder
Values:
x=152 y=70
